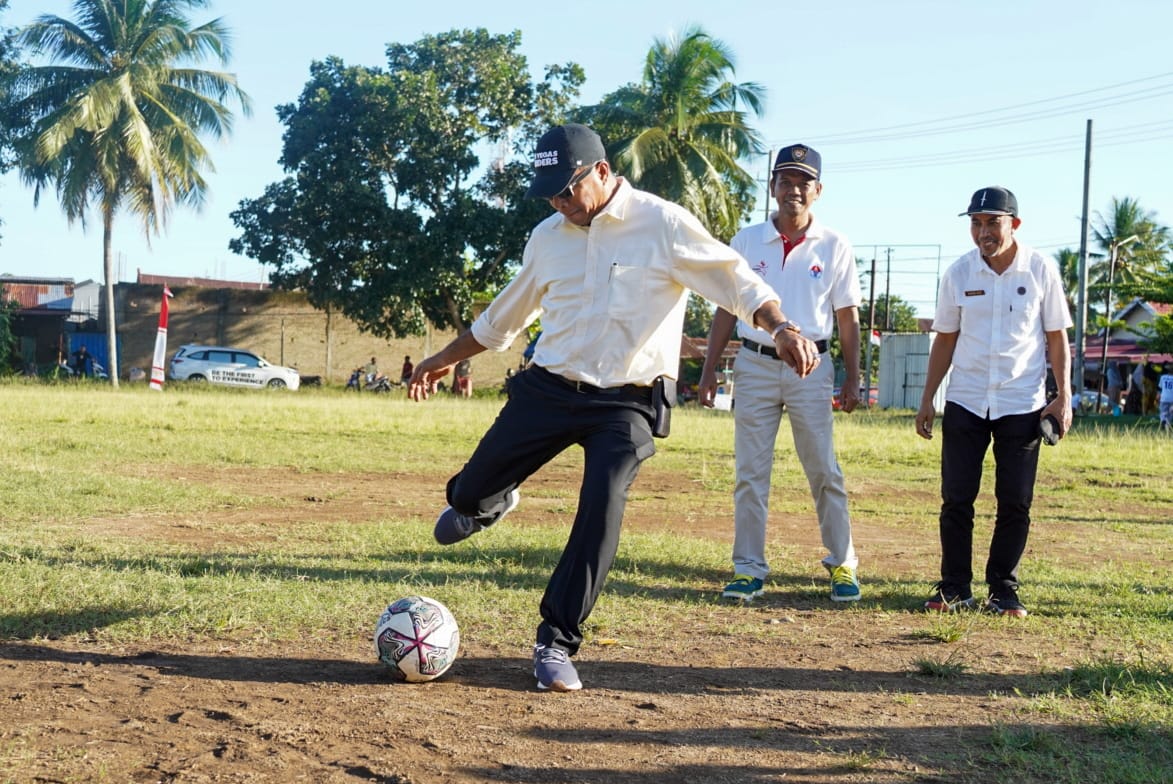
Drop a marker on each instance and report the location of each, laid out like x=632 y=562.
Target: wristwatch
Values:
x=787 y=325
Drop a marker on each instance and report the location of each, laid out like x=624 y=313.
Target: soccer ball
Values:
x=417 y=637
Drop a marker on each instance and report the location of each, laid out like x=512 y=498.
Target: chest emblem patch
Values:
x=816 y=270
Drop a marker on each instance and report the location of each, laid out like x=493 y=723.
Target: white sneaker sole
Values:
x=559 y=686
x=740 y=596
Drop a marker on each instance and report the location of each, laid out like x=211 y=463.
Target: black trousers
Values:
x=966 y=437
x=545 y=415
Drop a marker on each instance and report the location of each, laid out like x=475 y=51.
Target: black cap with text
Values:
x=992 y=201
x=560 y=153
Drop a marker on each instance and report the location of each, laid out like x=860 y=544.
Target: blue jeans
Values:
x=966 y=437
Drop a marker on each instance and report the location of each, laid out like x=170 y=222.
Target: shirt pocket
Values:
x=1024 y=308
x=974 y=304
x=627 y=291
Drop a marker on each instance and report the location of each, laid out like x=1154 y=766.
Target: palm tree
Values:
x=680 y=133
x=115 y=118
x=1068 y=261
x=1137 y=260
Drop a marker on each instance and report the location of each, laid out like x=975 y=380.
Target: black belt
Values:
x=768 y=351
x=633 y=390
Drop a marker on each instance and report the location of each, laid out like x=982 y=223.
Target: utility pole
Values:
x=888 y=293
x=1081 y=290
x=867 y=340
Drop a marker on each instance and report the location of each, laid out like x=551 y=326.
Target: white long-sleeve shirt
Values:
x=612 y=295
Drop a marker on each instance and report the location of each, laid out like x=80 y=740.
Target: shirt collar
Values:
x=770 y=233
x=615 y=209
x=1020 y=262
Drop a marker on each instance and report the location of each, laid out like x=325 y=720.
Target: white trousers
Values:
x=762 y=386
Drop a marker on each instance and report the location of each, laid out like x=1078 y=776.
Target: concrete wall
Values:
x=280 y=326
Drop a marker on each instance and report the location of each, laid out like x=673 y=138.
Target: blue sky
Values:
x=914 y=104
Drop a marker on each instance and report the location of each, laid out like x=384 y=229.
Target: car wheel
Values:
x=196 y=378
x=276 y=383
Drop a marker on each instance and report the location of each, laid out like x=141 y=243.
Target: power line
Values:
x=884 y=133
x=1132 y=134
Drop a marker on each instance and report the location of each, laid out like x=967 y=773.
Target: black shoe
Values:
x=453 y=527
x=948 y=598
x=1004 y=601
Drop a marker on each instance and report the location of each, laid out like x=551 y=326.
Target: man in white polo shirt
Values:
x=1001 y=314
x=813 y=270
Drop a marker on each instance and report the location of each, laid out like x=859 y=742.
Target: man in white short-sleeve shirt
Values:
x=1001 y=314
x=812 y=268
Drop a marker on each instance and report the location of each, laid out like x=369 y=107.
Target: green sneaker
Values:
x=844 y=585
x=743 y=587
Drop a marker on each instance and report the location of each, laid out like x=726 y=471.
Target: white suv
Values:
x=230 y=366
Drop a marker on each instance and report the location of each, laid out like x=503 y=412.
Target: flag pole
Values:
x=157 y=371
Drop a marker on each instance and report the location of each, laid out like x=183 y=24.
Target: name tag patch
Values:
x=975 y=293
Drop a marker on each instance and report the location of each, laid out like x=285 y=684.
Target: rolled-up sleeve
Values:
x=515 y=308
x=715 y=271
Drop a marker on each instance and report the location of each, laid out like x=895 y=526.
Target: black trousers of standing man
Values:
x=546 y=414
x=966 y=437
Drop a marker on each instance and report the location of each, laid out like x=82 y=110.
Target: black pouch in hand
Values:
x=663 y=398
x=1049 y=430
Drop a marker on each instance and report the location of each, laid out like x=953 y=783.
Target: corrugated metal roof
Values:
x=56 y=295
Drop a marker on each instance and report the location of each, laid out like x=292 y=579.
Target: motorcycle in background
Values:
x=359 y=384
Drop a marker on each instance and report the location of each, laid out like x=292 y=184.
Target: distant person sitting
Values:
x=371 y=371
x=81 y=363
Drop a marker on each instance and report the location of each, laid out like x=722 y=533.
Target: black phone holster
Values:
x=663 y=398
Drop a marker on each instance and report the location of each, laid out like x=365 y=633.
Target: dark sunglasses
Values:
x=568 y=191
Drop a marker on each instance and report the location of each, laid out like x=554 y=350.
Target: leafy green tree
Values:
x=387 y=214
x=1156 y=337
x=698 y=317
x=1068 y=261
x=895 y=315
x=7 y=339
x=9 y=122
x=1137 y=260
x=681 y=131
x=115 y=119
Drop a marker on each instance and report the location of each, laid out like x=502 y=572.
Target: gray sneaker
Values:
x=453 y=527
x=554 y=671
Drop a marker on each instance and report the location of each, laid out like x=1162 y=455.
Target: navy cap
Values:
x=560 y=153
x=992 y=201
x=799 y=157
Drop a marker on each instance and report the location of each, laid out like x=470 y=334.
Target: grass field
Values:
x=139 y=524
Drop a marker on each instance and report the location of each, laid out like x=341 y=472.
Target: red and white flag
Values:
x=875 y=337
x=157 y=373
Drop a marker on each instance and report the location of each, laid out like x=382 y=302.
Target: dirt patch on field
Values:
x=834 y=696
